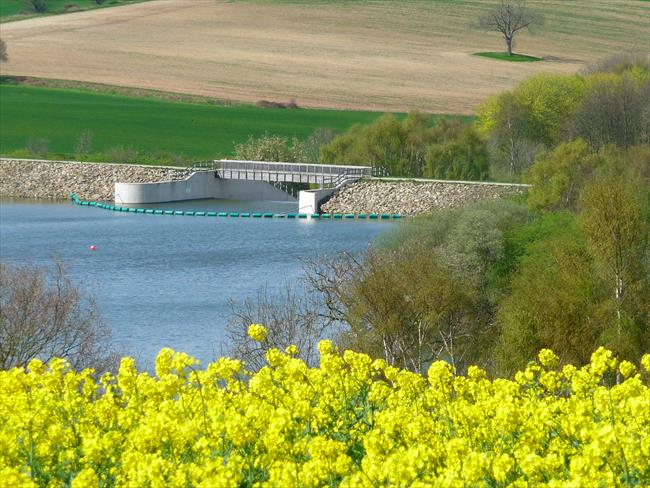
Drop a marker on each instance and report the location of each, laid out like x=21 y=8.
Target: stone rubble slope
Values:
x=90 y=181
x=412 y=198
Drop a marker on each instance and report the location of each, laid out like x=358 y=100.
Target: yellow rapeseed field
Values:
x=350 y=422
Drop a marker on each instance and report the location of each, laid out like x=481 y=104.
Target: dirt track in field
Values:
x=377 y=56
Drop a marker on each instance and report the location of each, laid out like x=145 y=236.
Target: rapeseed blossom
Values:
x=351 y=422
x=257 y=332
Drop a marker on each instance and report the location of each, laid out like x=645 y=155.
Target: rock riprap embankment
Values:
x=412 y=198
x=90 y=181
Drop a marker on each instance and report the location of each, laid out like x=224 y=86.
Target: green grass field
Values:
x=148 y=125
x=515 y=58
x=17 y=9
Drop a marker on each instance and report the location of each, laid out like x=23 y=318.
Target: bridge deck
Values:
x=322 y=174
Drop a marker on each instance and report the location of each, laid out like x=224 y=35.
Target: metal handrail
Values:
x=284 y=167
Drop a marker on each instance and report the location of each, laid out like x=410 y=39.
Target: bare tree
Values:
x=613 y=111
x=84 y=144
x=44 y=315
x=291 y=318
x=508 y=18
x=3 y=51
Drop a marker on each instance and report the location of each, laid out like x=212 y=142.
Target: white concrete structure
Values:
x=309 y=201
x=199 y=185
x=246 y=180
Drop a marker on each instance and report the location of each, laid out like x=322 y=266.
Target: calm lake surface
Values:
x=165 y=281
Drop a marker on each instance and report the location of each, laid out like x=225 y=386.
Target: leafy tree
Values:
x=385 y=142
x=558 y=177
x=464 y=158
x=410 y=309
x=612 y=217
x=508 y=18
x=279 y=148
x=520 y=122
x=412 y=147
x=505 y=120
x=553 y=302
x=312 y=146
x=271 y=148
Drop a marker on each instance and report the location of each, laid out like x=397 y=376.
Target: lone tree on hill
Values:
x=508 y=18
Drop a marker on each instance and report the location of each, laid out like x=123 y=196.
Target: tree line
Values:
x=566 y=267
x=607 y=104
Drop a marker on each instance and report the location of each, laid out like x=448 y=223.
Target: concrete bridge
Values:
x=320 y=174
x=246 y=180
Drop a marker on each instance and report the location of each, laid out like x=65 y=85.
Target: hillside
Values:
x=372 y=55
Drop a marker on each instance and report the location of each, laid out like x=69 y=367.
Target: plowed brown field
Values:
x=357 y=55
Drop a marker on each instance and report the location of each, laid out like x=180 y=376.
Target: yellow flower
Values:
x=257 y=332
x=627 y=369
x=645 y=362
x=547 y=358
x=351 y=422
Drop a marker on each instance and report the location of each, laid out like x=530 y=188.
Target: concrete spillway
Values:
x=246 y=180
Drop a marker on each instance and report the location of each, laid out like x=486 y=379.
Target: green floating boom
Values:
x=265 y=215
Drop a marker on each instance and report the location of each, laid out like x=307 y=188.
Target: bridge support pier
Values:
x=309 y=201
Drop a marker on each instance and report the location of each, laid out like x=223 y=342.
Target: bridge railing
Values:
x=303 y=168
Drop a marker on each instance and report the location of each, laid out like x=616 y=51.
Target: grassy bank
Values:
x=18 y=10
x=52 y=120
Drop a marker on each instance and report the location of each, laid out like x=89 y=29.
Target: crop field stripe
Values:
x=196 y=130
x=150 y=124
x=374 y=55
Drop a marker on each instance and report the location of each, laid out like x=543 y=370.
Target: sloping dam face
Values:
x=197 y=186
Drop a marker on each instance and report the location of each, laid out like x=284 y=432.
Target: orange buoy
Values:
x=93 y=248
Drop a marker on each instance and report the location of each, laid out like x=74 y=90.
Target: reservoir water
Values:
x=165 y=281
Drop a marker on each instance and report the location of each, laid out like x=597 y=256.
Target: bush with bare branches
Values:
x=290 y=317
x=44 y=315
